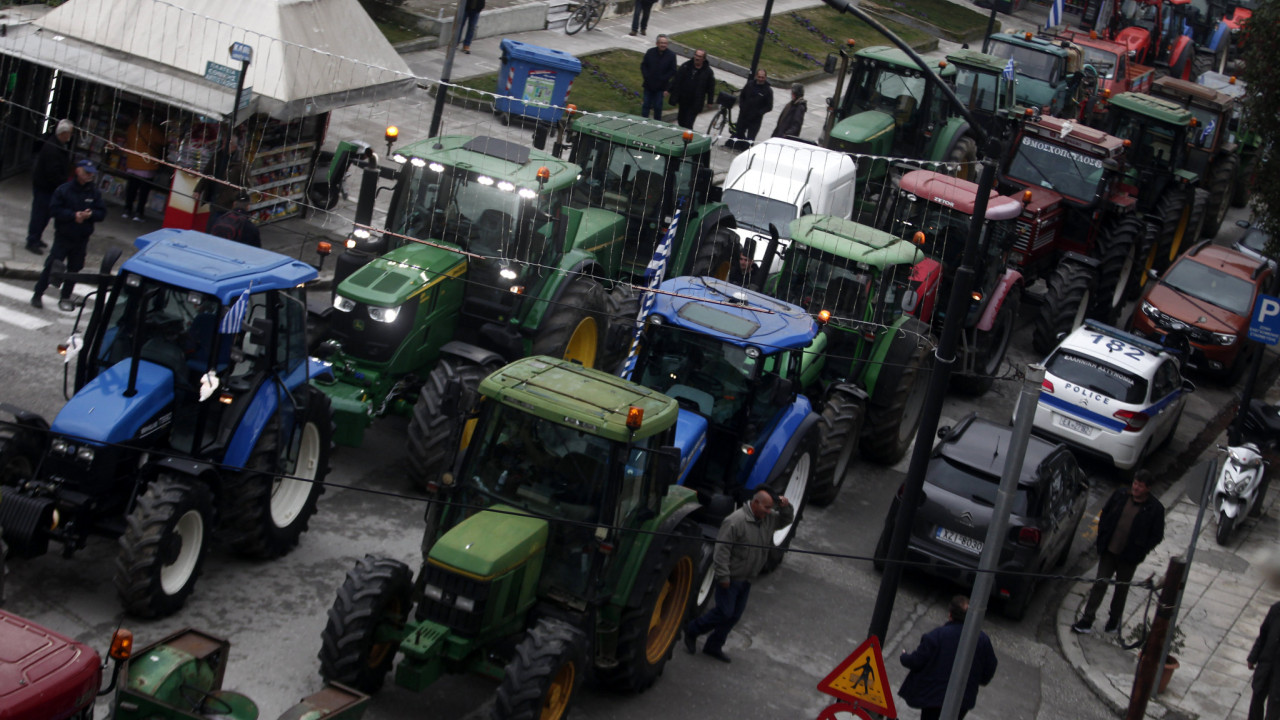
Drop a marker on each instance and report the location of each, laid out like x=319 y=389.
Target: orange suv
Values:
x=1207 y=295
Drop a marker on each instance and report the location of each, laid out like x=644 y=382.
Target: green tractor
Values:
x=563 y=549
x=1053 y=76
x=1245 y=136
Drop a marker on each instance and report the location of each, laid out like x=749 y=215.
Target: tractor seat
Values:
x=491 y=228
x=701 y=398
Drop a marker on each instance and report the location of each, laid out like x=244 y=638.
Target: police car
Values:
x=1111 y=394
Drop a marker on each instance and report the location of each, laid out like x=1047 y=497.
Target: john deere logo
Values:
x=358 y=325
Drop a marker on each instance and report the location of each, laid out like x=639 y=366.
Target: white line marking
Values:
x=22 y=320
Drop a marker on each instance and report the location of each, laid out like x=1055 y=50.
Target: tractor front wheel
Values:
x=19 y=453
x=838 y=431
x=163 y=546
x=897 y=400
x=1065 y=304
x=1117 y=251
x=358 y=645
x=574 y=327
x=433 y=441
x=544 y=672
x=793 y=483
x=989 y=349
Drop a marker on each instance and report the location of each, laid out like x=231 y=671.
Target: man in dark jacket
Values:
x=469 y=20
x=742 y=549
x=1130 y=525
x=693 y=89
x=755 y=100
x=1264 y=661
x=76 y=205
x=640 y=16
x=237 y=225
x=52 y=168
x=791 y=119
x=657 y=68
x=226 y=176
x=930 y=665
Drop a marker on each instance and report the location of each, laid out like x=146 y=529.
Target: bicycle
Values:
x=723 y=117
x=587 y=15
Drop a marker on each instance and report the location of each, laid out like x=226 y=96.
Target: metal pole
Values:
x=446 y=72
x=944 y=359
x=764 y=29
x=235 y=109
x=991 y=27
x=1150 y=664
x=994 y=542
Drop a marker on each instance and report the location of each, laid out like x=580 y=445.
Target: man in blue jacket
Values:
x=930 y=665
x=75 y=206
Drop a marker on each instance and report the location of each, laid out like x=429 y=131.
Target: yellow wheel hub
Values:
x=557 y=700
x=669 y=611
x=583 y=343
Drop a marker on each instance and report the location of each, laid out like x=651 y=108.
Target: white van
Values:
x=779 y=180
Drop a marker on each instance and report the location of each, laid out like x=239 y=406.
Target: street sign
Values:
x=227 y=77
x=246 y=98
x=834 y=710
x=242 y=52
x=1265 y=325
x=861 y=680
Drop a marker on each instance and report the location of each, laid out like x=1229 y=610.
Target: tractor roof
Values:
x=212 y=265
x=853 y=241
x=404 y=273
x=1090 y=39
x=1029 y=40
x=734 y=314
x=634 y=131
x=500 y=159
x=893 y=56
x=590 y=400
x=981 y=61
x=1153 y=107
x=952 y=192
x=1057 y=131
x=1185 y=92
x=1227 y=84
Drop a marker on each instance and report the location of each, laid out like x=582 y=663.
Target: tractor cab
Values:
x=1157 y=132
x=1052 y=74
x=1070 y=160
x=1213 y=113
x=985 y=87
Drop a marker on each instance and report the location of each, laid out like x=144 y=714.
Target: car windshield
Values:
x=1097 y=376
x=713 y=375
x=1101 y=60
x=1061 y=169
x=757 y=212
x=981 y=488
x=1211 y=285
x=1029 y=63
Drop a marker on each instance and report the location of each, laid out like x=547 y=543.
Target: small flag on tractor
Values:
x=1009 y=73
x=1055 y=13
x=234 y=318
x=653 y=276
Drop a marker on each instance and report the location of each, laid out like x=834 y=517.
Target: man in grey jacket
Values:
x=742 y=548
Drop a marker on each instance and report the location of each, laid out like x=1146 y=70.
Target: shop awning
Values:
x=309 y=56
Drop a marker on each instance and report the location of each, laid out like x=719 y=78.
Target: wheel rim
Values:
x=378 y=652
x=1148 y=264
x=558 y=693
x=669 y=610
x=708 y=583
x=289 y=494
x=1081 y=310
x=796 y=486
x=1117 y=295
x=1183 y=223
x=189 y=532
x=583 y=342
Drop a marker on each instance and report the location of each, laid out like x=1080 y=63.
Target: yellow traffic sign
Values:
x=861 y=680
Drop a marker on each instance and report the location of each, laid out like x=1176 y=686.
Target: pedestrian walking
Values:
x=657 y=70
x=51 y=168
x=754 y=102
x=640 y=16
x=145 y=143
x=791 y=119
x=75 y=206
x=470 y=16
x=929 y=665
x=1130 y=525
x=742 y=548
x=1262 y=660
x=227 y=163
x=693 y=83
x=237 y=225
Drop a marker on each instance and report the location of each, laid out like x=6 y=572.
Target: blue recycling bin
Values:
x=534 y=81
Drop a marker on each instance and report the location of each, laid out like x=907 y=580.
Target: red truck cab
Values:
x=44 y=675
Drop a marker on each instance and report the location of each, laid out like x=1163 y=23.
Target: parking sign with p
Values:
x=1265 y=324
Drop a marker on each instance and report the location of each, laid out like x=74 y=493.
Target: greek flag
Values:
x=653 y=276
x=1055 y=13
x=234 y=318
x=1208 y=131
x=1008 y=73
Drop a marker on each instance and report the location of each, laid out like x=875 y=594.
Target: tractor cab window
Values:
x=979 y=91
x=818 y=281
x=899 y=294
x=291 y=329
x=1103 y=61
x=1152 y=143
x=172 y=327
x=1065 y=171
x=627 y=180
x=706 y=375
x=944 y=229
x=1208 y=125
x=1030 y=63
x=895 y=91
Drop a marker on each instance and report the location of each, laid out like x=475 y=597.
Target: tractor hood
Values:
x=691 y=438
x=401 y=274
x=491 y=543
x=863 y=127
x=44 y=674
x=100 y=412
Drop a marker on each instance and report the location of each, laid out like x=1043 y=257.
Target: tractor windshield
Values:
x=630 y=181
x=1029 y=62
x=893 y=90
x=166 y=325
x=1066 y=171
x=979 y=91
x=1102 y=60
x=1153 y=143
x=757 y=212
x=714 y=376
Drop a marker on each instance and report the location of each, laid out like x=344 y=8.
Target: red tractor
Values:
x=1117 y=73
x=1153 y=32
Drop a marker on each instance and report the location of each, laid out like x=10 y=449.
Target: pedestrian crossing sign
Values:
x=861 y=680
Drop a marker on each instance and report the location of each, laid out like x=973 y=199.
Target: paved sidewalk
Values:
x=1228 y=592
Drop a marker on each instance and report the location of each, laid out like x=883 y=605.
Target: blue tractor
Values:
x=192 y=413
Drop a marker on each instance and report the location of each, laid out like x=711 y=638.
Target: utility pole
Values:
x=994 y=543
x=764 y=30
x=446 y=72
x=1151 y=660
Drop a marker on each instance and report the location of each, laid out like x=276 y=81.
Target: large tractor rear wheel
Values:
x=1223 y=178
x=1117 y=250
x=1164 y=223
x=163 y=546
x=574 y=327
x=897 y=401
x=715 y=254
x=544 y=672
x=375 y=595
x=793 y=483
x=623 y=308
x=432 y=441
x=648 y=630
x=989 y=349
x=838 y=429
x=1065 y=306
x=964 y=155
x=267 y=506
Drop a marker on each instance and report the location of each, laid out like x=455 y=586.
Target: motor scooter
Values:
x=1242 y=481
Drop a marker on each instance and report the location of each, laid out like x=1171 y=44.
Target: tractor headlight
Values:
x=508 y=273
x=386 y=315
x=1150 y=310
x=61 y=446
x=1224 y=338
x=343 y=304
x=433 y=592
x=465 y=604
x=85 y=455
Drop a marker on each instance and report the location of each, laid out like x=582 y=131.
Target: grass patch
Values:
x=798 y=42
x=396 y=34
x=956 y=19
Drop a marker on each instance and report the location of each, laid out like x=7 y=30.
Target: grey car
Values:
x=960 y=487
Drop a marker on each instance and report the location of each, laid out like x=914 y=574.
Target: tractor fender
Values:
x=687 y=504
x=471 y=353
x=776 y=450
x=849 y=389
x=948 y=137
x=260 y=410
x=926 y=277
x=576 y=263
x=319 y=369
x=187 y=467
x=1010 y=281
x=1180 y=55
x=1075 y=257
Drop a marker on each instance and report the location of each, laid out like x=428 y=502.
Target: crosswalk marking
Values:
x=15 y=292
x=22 y=320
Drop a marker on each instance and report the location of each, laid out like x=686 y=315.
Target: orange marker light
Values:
x=121 y=645
x=1028 y=35
x=324 y=247
x=918 y=238
x=544 y=174
x=942 y=63
x=687 y=136
x=977 y=296
x=1026 y=196
x=635 y=417
x=1127 y=142
x=824 y=316
x=1093 y=34
x=1232 y=81
x=571 y=108
x=393 y=132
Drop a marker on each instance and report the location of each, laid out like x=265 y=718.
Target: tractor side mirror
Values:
x=260 y=331
x=829 y=66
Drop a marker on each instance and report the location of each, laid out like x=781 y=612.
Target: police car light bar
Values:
x=1105 y=329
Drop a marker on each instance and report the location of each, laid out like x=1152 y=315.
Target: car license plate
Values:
x=963 y=542
x=1068 y=423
